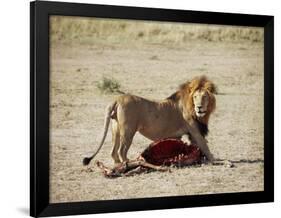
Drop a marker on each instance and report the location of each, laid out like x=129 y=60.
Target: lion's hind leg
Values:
x=126 y=138
x=115 y=141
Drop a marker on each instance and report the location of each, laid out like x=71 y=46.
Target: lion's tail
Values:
x=110 y=108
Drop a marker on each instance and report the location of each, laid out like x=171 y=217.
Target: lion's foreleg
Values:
x=201 y=142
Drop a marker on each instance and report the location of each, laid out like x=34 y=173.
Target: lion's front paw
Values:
x=228 y=164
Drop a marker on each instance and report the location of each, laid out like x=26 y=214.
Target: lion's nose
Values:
x=199 y=107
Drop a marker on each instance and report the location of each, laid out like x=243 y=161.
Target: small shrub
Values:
x=109 y=86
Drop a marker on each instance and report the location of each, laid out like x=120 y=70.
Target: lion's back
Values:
x=128 y=100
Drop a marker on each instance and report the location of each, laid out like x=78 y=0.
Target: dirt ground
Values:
x=154 y=71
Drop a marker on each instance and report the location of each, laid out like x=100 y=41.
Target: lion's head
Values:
x=197 y=97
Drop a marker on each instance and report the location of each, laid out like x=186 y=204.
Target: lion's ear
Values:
x=211 y=87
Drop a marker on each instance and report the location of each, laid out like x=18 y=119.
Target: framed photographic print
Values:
x=141 y=109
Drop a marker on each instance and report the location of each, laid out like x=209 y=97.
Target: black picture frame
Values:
x=39 y=107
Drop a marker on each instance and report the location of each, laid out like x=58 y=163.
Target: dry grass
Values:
x=84 y=30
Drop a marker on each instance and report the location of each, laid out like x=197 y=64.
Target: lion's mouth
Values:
x=200 y=113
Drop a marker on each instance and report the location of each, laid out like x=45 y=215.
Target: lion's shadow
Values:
x=248 y=161
x=244 y=161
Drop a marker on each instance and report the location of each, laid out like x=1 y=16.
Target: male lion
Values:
x=184 y=113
